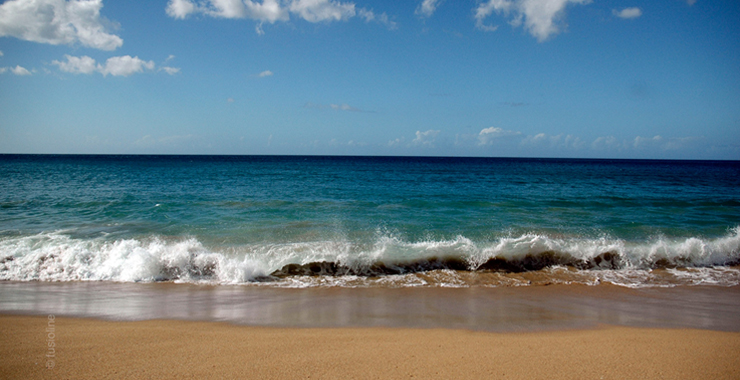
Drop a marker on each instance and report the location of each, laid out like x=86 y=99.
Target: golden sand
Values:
x=164 y=349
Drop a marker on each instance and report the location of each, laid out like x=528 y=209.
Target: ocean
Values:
x=368 y=222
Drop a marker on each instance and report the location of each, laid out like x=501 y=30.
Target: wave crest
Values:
x=56 y=256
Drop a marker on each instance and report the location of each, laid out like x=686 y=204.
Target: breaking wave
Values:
x=528 y=259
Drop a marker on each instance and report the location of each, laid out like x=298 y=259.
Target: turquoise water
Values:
x=368 y=221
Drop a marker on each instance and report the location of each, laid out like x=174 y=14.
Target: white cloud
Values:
x=322 y=10
x=268 y=10
x=640 y=143
x=489 y=135
x=125 y=66
x=396 y=142
x=116 y=66
x=425 y=138
x=77 y=65
x=180 y=8
x=273 y=10
x=18 y=70
x=606 y=143
x=382 y=18
x=556 y=141
x=57 y=22
x=427 y=8
x=170 y=70
x=266 y=73
x=1 y=53
x=228 y=8
x=628 y=13
x=538 y=16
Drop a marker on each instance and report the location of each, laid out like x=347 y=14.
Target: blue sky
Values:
x=513 y=78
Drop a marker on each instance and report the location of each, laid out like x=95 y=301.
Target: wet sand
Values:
x=533 y=308
x=165 y=330
x=165 y=349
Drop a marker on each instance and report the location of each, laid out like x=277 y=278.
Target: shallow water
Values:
x=492 y=309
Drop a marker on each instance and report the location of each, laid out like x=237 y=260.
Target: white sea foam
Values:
x=55 y=256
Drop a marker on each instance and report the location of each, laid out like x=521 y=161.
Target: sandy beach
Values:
x=163 y=349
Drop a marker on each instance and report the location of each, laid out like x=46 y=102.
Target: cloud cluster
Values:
x=272 y=11
x=425 y=138
x=611 y=143
x=115 y=66
x=628 y=13
x=58 y=22
x=491 y=134
x=504 y=140
x=539 y=17
x=427 y=8
x=18 y=70
x=559 y=141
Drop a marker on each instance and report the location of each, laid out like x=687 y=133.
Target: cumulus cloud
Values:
x=491 y=134
x=115 y=66
x=322 y=10
x=18 y=70
x=180 y=8
x=170 y=70
x=628 y=13
x=554 y=141
x=427 y=8
x=539 y=17
x=266 y=73
x=425 y=138
x=58 y=22
x=125 y=66
x=606 y=143
x=77 y=65
x=272 y=11
x=396 y=142
x=641 y=143
x=381 y=18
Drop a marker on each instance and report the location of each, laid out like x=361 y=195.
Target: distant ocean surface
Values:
x=291 y=221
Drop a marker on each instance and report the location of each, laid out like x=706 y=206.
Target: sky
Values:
x=495 y=78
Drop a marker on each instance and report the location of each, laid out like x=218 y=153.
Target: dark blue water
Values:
x=277 y=219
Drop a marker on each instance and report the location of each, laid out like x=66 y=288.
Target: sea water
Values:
x=295 y=221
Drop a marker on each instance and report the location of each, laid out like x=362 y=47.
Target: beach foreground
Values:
x=95 y=349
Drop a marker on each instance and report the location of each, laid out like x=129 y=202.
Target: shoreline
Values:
x=167 y=330
x=532 y=308
x=90 y=348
